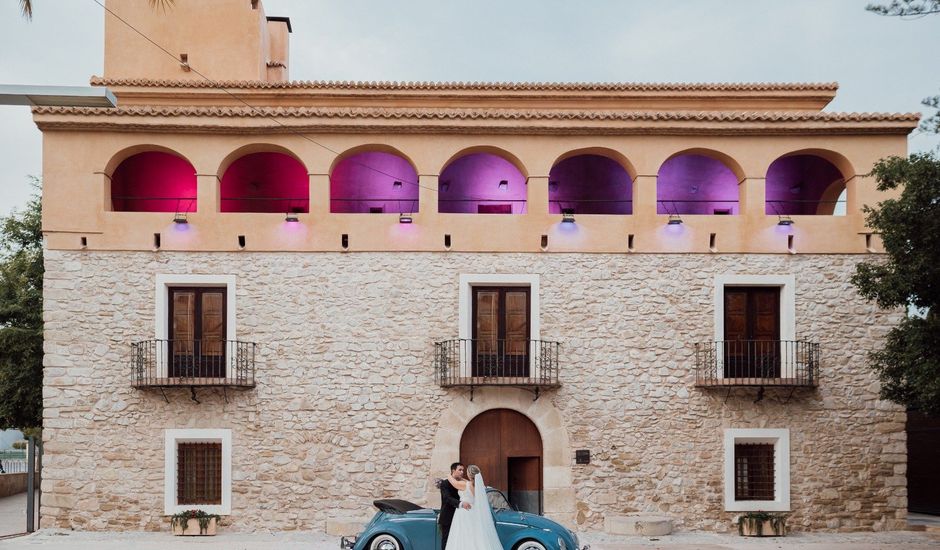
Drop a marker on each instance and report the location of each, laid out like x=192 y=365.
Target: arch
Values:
x=255 y=148
x=699 y=181
x=591 y=181
x=805 y=182
x=150 y=178
x=369 y=147
x=558 y=500
x=264 y=180
x=507 y=446
x=373 y=179
x=490 y=150
x=616 y=156
x=482 y=180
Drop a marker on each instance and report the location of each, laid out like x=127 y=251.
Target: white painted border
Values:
x=787 y=284
x=465 y=305
x=171 y=438
x=780 y=437
x=161 y=298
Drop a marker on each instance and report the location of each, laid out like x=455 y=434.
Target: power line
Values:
x=218 y=86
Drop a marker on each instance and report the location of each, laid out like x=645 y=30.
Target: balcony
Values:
x=530 y=364
x=193 y=363
x=761 y=363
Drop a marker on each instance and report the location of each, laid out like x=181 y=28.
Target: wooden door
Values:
x=507 y=447
x=197 y=332
x=752 y=332
x=500 y=331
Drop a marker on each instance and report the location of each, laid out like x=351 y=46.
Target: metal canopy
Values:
x=56 y=96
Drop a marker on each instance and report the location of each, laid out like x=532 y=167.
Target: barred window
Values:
x=199 y=473
x=754 y=471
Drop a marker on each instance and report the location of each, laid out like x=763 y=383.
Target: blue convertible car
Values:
x=401 y=525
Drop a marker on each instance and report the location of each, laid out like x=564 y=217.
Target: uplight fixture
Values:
x=567 y=215
x=291 y=217
x=674 y=219
x=404 y=218
x=180 y=217
x=785 y=220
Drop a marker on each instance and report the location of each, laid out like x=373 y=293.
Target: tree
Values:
x=26 y=6
x=909 y=363
x=21 y=272
x=914 y=9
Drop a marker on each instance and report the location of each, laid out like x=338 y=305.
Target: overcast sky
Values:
x=881 y=64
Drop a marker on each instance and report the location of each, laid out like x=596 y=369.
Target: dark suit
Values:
x=450 y=500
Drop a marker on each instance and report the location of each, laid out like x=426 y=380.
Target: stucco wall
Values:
x=346 y=409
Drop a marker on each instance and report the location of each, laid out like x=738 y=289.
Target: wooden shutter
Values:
x=487 y=321
x=183 y=321
x=213 y=322
x=736 y=320
x=754 y=471
x=517 y=322
x=199 y=473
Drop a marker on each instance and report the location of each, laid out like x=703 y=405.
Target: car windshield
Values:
x=497 y=500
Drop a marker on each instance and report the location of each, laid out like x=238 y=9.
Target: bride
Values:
x=473 y=529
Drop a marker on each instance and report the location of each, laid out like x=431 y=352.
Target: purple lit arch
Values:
x=693 y=183
x=374 y=182
x=265 y=182
x=481 y=183
x=590 y=184
x=153 y=181
x=804 y=184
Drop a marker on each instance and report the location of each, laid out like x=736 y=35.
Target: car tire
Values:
x=384 y=542
x=530 y=545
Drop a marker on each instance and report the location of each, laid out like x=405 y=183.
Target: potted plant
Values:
x=194 y=522
x=762 y=524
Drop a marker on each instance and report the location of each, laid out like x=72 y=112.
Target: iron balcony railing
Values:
x=168 y=363
x=726 y=363
x=488 y=362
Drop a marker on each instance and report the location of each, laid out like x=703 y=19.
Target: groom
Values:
x=450 y=500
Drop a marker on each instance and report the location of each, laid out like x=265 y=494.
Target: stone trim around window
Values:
x=787 y=285
x=161 y=297
x=174 y=436
x=465 y=298
x=780 y=438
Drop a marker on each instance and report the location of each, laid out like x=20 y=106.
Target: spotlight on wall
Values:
x=785 y=220
x=674 y=219
x=567 y=215
x=404 y=218
x=291 y=217
x=503 y=185
x=445 y=186
x=180 y=217
x=396 y=185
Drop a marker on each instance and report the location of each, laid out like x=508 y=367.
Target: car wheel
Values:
x=386 y=542
x=531 y=545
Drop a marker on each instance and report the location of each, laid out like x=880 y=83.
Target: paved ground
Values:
x=13 y=514
x=62 y=540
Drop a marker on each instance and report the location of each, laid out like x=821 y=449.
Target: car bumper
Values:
x=347 y=543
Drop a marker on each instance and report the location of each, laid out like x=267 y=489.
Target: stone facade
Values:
x=346 y=407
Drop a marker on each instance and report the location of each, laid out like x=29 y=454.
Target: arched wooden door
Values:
x=507 y=447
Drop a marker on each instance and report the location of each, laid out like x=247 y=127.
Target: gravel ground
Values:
x=70 y=540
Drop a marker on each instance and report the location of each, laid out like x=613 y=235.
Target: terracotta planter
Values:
x=762 y=528
x=192 y=528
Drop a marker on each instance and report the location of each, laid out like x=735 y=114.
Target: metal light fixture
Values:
x=674 y=219
x=180 y=217
x=396 y=185
x=404 y=218
x=567 y=215
x=291 y=217
x=785 y=220
x=503 y=185
x=553 y=186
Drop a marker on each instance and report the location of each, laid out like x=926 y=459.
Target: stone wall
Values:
x=346 y=408
x=12 y=484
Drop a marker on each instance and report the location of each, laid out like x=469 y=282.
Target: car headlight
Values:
x=561 y=544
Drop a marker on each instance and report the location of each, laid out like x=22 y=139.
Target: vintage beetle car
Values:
x=402 y=525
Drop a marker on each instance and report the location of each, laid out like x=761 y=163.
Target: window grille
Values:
x=199 y=473
x=754 y=471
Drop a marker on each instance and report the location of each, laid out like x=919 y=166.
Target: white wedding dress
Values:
x=474 y=529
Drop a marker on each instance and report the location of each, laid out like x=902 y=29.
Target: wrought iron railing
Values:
x=756 y=363
x=590 y=206
x=167 y=363
x=486 y=362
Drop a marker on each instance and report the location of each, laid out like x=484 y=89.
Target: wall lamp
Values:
x=567 y=215
x=404 y=218
x=396 y=185
x=180 y=217
x=503 y=185
x=674 y=219
x=291 y=217
x=785 y=220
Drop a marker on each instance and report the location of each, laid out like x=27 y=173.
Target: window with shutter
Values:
x=754 y=471
x=199 y=473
